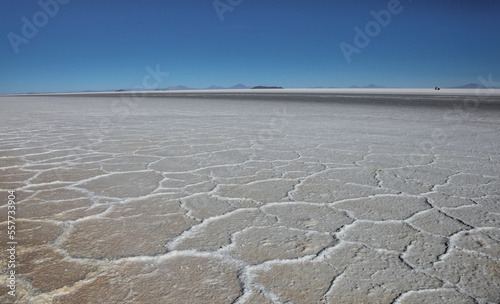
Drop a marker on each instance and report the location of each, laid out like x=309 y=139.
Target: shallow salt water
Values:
x=252 y=198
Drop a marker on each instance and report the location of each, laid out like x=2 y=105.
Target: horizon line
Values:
x=374 y=91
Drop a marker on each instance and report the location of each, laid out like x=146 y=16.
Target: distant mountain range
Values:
x=179 y=87
x=214 y=87
x=182 y=87
x=472 y=86
x=242 y=86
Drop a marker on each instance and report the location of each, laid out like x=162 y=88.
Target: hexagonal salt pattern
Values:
x=342 y=199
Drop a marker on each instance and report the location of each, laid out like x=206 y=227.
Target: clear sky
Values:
x=78 y=45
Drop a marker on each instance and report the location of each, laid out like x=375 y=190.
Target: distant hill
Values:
x=180 y=87
x=373 y=86
x=264 y=87
x=214 y=87
x=470 y=86
x=370 y=86
x=239 y=86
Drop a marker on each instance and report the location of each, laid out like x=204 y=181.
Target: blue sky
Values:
x=107 y=45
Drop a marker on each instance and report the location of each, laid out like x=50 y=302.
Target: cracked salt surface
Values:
x=252 y=199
